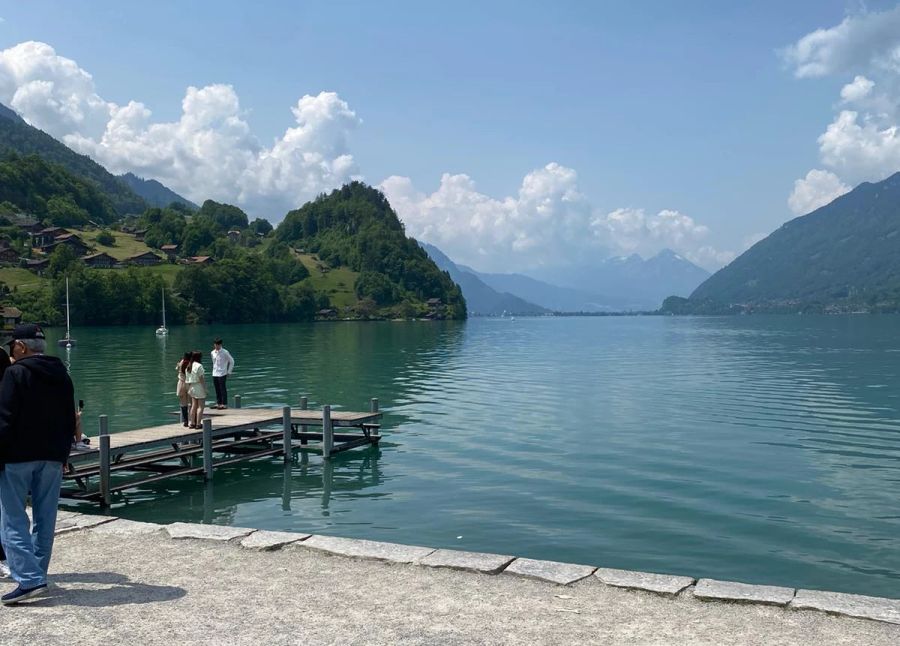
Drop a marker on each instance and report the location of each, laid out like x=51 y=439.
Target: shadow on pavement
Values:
x=101 y=589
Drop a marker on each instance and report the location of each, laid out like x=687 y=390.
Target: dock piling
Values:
x=104 y=461
x=237 y=401
x=286 y=433
x=373 y=405
x=207 y=449
x=304 y=402
x=327 y=432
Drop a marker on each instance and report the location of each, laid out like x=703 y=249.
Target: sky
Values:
x=512 y=135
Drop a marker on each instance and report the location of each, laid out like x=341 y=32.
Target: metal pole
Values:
x=373 y=405
x=304 y=402
x=286 y=433
x=207 y=449
x=104 y=461
x=237 y=401
x=327 y=432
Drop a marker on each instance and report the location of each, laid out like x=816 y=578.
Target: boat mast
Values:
x=163 y=289
x=68 y=335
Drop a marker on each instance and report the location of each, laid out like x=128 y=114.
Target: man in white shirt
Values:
x=223 y=364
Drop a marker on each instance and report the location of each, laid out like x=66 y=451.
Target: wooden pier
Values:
x=147 y=455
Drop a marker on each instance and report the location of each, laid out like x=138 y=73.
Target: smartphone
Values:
x=80 y=404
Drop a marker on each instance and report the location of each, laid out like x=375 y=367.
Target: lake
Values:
x=758 y=449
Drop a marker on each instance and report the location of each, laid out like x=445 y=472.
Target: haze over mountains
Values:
x=844 y=256
x=627 y=284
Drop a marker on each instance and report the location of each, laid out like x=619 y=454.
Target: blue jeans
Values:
x=27 y=548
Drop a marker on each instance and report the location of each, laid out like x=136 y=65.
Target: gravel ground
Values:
x=149 y=589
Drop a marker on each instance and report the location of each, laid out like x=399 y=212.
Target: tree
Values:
x=106 y=239
x=63 y=261
x=261 y=226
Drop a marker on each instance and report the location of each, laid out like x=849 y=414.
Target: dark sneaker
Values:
x=20 y=594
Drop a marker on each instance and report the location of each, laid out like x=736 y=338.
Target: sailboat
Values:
x=67 y=341
x=162 y=330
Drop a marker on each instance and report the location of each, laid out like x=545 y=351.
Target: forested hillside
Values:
x=355 y=226
x=19 y=137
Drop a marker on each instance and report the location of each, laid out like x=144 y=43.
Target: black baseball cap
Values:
x=26 y=331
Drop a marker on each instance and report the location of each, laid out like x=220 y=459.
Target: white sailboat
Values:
x=67 y=341
x=162 y=330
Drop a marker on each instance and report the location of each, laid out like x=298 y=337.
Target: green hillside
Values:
x=355 y=227
x=19 y=137
x=844 y=256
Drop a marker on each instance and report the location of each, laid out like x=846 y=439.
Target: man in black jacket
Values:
x=37 y=424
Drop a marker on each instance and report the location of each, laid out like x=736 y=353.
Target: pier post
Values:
x=104 y=461
x=237 y=401
x=304 y=402
x=373 y=405
x=207 y=449
x=327 y=432
x=286 y=433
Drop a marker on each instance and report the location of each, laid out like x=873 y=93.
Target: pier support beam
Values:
x=327 y=432
x=207 y=449
x=286 y=433
x=104 y=461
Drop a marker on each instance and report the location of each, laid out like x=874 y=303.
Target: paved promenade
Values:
x=119 y=582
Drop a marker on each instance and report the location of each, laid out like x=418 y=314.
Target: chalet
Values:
x=26 y=223
x=146 y=259
x=234 y=235
x=139 y=234
x=198 y=260
x=433 y=302
x=12 y=316
x=37 y=265
x=100 y=260
x=326 y=313
x=9 y=255
x=71 y=240
x=171 y=250
x=45 y=237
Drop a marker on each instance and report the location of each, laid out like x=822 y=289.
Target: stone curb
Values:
x=713 y=590
x=265 y=540
x=849 y=605
x=207 y=532
x=664 y=584
x=469 y=561
x=360 y=548
x=552 y=571
x=838 y=603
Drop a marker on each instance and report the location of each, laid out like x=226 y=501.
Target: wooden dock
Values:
x=131 y=459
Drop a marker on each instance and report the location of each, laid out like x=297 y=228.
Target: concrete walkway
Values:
x=120 y=582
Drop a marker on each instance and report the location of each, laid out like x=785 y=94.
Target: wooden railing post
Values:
x=104 y=461
x=286 y=433
x=207 y=449
x=327 y=432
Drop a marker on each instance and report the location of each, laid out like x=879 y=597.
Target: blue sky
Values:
x=655 y=106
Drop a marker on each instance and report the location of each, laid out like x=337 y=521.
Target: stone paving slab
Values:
x=266 y=540
x=469 y=561
x=77 y=522
x=360 y=548
x=559 y=573
x=664 y=584
x=850 y=605
x=711 y=589
x=206 y=532
x=124 y=527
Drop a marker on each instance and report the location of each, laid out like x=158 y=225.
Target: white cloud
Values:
x=548 y=222
x=868 y=40
x=863 y=143
x=209 y=152
x=818 y=188
x=857 y=90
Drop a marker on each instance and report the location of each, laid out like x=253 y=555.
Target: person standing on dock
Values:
x=37 y=423
x=223 y=364
x=195 y=378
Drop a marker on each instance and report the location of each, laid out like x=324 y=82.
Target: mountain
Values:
x=355 y=227
x=19 y=137
x=155 y=193
x=552 y=297
x=630 y=282
x=844 y=256
x=480 y=298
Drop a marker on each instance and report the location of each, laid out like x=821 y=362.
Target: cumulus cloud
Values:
x=209 y=152
x=862 y=143
x=548 y=222
x=818 y=188
x=868 y=40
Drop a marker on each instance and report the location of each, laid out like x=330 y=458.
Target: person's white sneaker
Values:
x=81 y=446
x=4 y=570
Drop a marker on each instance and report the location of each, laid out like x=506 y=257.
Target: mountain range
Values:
x=155 y=193
x=844 y=256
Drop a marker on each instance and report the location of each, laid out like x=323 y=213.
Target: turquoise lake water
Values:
x=758 y=449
